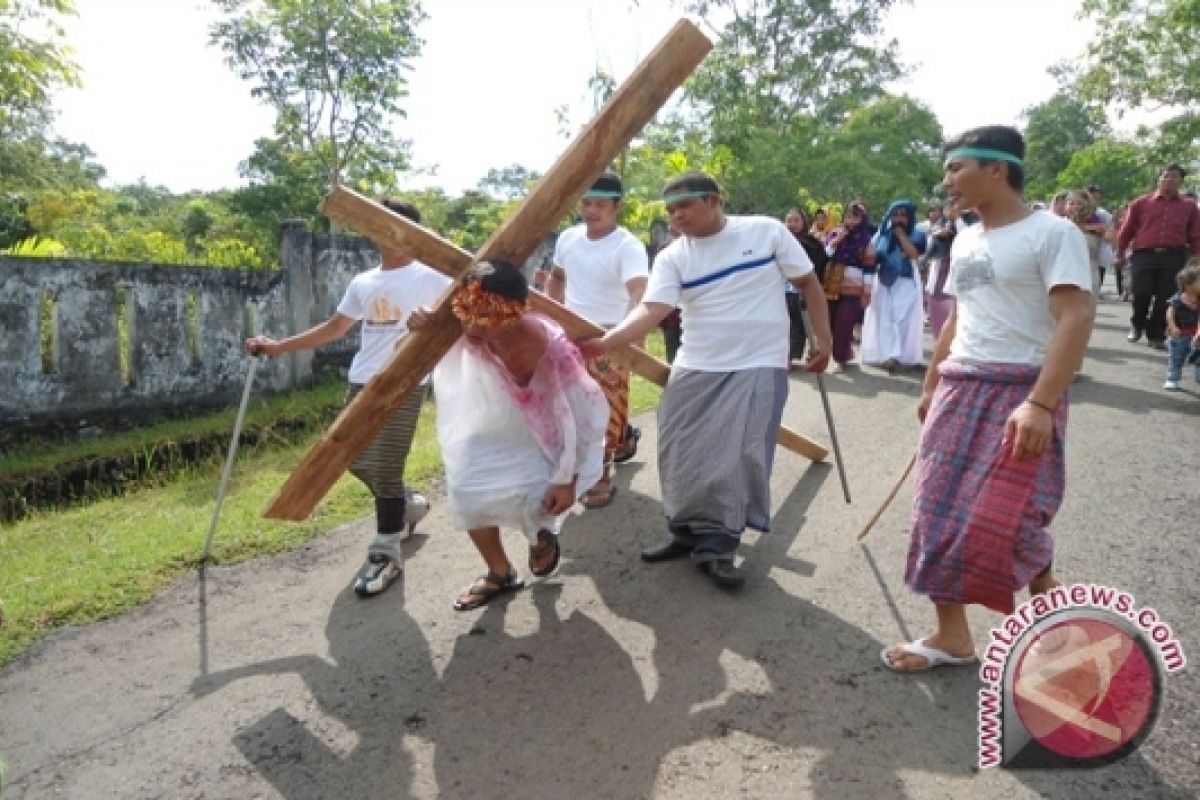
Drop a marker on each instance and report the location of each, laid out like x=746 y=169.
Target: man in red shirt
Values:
x=1163 y=229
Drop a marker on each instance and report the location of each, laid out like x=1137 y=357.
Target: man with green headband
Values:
x=719 y=415
x=990 y=466
x=600 y=273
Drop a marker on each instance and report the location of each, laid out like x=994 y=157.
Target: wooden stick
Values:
x=399 y=233
x=629 y=109
x=891 y=496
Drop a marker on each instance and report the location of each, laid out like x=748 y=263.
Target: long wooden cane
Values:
x=891 y=496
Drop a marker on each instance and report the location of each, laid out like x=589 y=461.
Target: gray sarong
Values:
x=716 y=442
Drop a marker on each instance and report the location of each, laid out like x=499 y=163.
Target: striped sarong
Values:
x=980 y=516
x=381 y=465
x=716 y=443
x=613 y=378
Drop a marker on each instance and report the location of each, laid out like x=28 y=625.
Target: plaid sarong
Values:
x=613 y=378
x=980 y=516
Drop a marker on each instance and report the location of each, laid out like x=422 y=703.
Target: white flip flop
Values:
x=934 y=656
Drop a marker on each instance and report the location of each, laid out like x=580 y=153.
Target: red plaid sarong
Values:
x=613 y=378
x=980 y=516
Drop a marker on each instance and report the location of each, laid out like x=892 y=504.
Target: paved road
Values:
x=616 y=679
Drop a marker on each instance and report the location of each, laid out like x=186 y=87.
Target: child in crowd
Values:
x=1183 y=341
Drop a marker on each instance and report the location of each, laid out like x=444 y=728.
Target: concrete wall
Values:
x=178 y=359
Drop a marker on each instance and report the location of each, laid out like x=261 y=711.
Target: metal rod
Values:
x=233 y=445
x=837 y=450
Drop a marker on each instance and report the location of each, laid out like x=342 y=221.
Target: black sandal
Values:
x=545 y=539
x=628 y=448
x=489 y=586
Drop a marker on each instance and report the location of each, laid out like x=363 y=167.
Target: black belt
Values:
x=1161 y=250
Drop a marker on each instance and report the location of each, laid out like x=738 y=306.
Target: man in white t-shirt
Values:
x=600 y=273
x=719 y=417
x=382 y=299
x=990 y=466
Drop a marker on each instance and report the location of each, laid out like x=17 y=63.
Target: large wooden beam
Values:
x=633 y=105
x=399 y=233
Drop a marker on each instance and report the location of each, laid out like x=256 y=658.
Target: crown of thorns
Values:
x=473 y=304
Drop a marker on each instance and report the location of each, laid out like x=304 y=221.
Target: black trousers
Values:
x=797 y=336
x=1153 y=282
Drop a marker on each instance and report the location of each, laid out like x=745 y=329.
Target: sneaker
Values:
x=377 y=574
x=1171 y=386
x=416 y=508
x=1134 y=335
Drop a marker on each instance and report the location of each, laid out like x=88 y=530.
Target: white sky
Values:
x=158 y=102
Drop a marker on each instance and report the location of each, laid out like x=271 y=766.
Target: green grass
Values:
x=84 y=564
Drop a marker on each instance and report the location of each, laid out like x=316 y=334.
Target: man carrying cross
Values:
x=728 y=385
x=600 y=271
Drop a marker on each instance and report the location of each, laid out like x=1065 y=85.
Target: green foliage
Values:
x=1123 y=169
x=1144 y=54
x=334 y=71
x=758 y=76
x=1054 y=131
x=32 y=66
x=509 y=183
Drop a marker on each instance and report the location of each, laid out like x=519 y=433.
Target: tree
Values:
x=1054 y=131
x=31 y=66
x=334 y=71
x=509 y=182
x=1123 y=169
x=1144 y=54
x=778 y=60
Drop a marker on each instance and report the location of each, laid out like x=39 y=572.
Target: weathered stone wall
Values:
x=179 y=360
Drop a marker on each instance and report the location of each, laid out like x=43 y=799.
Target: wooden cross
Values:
x=629 y=109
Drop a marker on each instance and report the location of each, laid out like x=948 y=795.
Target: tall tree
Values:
x=32 y=64
x=1144 y=54
x=1054 y=131
x=334 y=71
x=1123 y=169
x=778 y=60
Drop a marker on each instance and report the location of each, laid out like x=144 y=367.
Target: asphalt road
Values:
x=617 y=679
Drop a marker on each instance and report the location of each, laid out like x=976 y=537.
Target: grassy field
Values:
x=84 y=564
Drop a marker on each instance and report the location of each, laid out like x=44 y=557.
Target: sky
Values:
x=158 y=102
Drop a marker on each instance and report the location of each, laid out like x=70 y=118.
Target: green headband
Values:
x=603 y=193
x=675 y=198
x=983 y=154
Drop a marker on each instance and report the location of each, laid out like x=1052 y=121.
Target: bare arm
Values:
x=636 y=287
x=1030 y=428
x=556 y=287
x=633 y=328
x=333 y=328
x=941 y=351
x=1172 y=328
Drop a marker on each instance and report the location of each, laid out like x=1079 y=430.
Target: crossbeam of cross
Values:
x=629 y=109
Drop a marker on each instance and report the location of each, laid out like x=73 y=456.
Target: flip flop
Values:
x=545 y=539
x=932 y=655
x=598 y=499
x=481 y=592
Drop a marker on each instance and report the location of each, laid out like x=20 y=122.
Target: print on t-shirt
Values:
x=973 y=271
x=382 y=313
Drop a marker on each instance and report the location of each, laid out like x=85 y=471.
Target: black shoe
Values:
x=724 y=574
x=1134 y=335
x=666 y=552
x=1157 y=344
x=628 y=448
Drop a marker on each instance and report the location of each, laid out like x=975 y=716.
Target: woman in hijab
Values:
x=848 y=277
x=892 y=330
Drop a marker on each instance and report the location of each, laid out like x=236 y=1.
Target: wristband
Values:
x=1042 y=406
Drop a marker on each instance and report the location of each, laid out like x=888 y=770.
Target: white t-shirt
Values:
x=597 y=271
x=383 y=300
x=727 y=285
x=1002 y=278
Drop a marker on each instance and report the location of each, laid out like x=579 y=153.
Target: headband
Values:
x=983 y=154
x=675 y=198
x=606 y=194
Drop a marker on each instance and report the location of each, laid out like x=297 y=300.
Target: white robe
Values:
x=894 y=324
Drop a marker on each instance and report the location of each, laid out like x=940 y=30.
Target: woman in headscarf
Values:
x=848 y=277
x=894 y=322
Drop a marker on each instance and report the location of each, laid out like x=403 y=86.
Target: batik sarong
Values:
x=979 y=521
x=716 y=442
x=613 y=378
